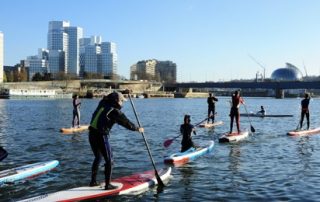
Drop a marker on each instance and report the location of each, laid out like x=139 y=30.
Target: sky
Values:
x=209 y=40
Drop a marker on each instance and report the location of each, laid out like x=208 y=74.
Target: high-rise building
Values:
x=98 y=57
x=1 y=57
x=109 y=58
x=64 y=41
x=74 y=33
x=58 y=40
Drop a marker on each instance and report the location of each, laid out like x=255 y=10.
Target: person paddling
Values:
x=305 y=110
x=186 y=129
x=211 y=107
x=76 y=111
x=262 y=111
x=234 y=111
x=104 y=117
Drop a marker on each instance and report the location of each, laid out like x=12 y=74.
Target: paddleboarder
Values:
x=104 y=117
x=262 y=111
x=76 y=111
x=236 y=100
x=211 y=107
x=186 y=129
x=305 y=110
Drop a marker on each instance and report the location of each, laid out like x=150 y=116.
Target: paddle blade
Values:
x=252 y=129
x=167 y=143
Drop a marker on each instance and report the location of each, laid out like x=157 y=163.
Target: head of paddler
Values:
x=306 y=95
x=187 y=119
x=210 y=94
x=116 y=99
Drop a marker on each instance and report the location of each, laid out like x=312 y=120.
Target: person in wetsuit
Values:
x=186 y=129
x=76 y=111
x=211 y=107
x=305 y=110
x=104 y=117
x=234 y=112
x=262 y=111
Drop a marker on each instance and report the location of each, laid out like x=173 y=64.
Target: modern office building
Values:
x=1 y=56
x=109 y=58
x=98 y=57
x=74 y=35
x=37 y=63
x=64 y=41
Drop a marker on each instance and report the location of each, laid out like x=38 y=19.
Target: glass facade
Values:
x=289 y=73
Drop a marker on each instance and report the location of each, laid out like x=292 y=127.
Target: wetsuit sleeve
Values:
x=121 y=119
x=215 y=99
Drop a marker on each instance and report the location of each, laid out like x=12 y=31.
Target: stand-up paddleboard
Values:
x=28 y=171
x=74 y=130
x=210 y=125
x=189 y=155
x=304 y=132
x=3 y=153
x=130 y=185
x=267 y=115
x=233 y=137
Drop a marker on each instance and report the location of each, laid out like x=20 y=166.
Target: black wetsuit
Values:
x=186 y=130
x=305 y=111
x=211 y=108
x=76 y=112
x=101 y=123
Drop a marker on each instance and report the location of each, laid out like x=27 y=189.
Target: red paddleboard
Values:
x=130 y=185
x=304 y=132
x=74 y=130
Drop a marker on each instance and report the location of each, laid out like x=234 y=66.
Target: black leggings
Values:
x=302 y=117
x=101 y=148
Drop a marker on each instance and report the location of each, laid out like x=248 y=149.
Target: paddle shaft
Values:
x=146 y=143
x=171 y=140
x=252 y=128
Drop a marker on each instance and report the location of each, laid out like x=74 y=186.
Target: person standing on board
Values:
x=305 y=110
x=211 y=107
x=76 y=111
x=104 y=117
x=234 y=112
x=262 y=112
x=186 y=129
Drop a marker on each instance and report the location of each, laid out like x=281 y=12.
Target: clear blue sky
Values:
x=209 y=40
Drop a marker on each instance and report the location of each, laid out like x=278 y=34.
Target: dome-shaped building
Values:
x=288 y=73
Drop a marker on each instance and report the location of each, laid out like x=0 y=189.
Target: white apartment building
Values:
x=1 y=57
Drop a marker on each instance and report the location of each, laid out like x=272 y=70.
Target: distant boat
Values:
x=140 y=96
x=34 y=93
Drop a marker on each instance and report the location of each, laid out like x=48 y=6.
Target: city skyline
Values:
x=208 y=40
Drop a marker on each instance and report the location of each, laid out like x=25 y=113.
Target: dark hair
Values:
x=187 y=118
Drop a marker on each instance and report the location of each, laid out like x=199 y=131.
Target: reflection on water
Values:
x=267 y=166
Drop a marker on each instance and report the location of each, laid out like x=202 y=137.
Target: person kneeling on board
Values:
x=186 y=129
x=234 y=111
x=262 y=111
x=105 y=116
x=305 y=110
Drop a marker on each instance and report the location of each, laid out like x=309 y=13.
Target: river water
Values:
x=267 y=166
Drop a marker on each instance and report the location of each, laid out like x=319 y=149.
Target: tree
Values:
x=37 y=77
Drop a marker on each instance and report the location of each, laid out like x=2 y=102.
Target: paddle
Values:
x=160 y=183
x=3 y=153
x=168 y=142
x=251 y=127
